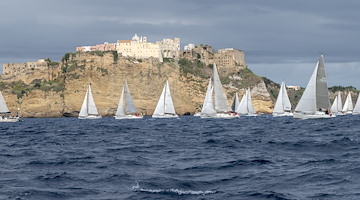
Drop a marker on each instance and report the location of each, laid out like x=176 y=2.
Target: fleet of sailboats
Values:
x=126 y=108
x=219 y=108
x=88 y=108
x=165 y=106
x=314 y=103
x=282 y=106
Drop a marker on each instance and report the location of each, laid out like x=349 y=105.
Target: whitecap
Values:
x=137 y=188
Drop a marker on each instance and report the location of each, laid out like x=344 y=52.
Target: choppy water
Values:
x=186 y=158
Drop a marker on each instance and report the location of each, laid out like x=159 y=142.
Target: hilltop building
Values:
x=19 y=68
x=140 y=48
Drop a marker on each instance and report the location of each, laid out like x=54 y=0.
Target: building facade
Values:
x=19 y=68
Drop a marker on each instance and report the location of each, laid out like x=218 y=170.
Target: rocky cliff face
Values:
x=64 y=90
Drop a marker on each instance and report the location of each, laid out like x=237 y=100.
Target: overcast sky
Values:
x=282 y=39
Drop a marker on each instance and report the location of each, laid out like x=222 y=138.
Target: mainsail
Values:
x=348 y=106
x=221 y=104
x=246 y=107
x=208 y=105
x=235 y=103
x=357 y=106
x=3 y=106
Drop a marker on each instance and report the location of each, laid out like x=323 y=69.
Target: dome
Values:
x=135 y=38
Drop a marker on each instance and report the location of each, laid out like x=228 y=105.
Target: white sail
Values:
x=221 y=103
x=282 y=102
x=348 y=106
x=3 y=106
x=334 y=107
x=169 y=105
x=208 y=105
x=339 y=102
x=235 y=103
x=160 y=107
x=88 y=107
x=121 y=107
x=315 y=97
x=251 y=108
x=357 y=106
x=165 y=105
x=242 y=108
x=246 y=107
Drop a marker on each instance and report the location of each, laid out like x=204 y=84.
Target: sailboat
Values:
x=165 y=106
x=88 y=108
x=314 y=103
x=235 y=103
x=348 y=105
x=5 y=114
x=282 y=106
x=246 y=107
x=126 y=108
x=356 y=110
x=219 y=108
x=337 y=105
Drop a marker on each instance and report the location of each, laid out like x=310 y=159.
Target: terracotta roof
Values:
x=123 y=41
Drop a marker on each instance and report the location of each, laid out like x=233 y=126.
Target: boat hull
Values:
x=317 y=115
x=129 y=117
x=90 y=117
x=165 y=116
x=9 y=119
x=221 y=116
x=285 y=114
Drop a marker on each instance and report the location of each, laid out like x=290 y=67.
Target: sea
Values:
x=186 y=158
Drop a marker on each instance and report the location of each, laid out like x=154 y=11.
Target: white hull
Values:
x=285 y=114
x=197 y=114
x=90 y=117
x=9 y=119
x=165 y=116
x=221 y=116
x=248 y=115
x=318 y=115
x=129 y=117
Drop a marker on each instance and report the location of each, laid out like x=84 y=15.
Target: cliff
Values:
x=61 y=88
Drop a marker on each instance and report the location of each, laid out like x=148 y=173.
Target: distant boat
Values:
x=337 y=105
x=356 y=110
x=235 y=103
x=5 y=114
x=246 y=107
x=348 y=105
x=88 y=108
x=126 y=108
x=282 y=106
x=314 y=103
x=219 y=108
x=165 y=106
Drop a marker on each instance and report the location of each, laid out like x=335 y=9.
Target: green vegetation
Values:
x=342 y=88
x=115 y=56
x=197 y=69
x=51 y=63
x=67 y=56
x=168 y=60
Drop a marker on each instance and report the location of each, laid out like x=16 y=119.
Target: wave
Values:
x=137 y=188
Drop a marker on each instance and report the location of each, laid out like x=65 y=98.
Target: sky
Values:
x=282 y=39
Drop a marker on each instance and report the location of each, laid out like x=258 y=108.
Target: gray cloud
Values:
x=272 y=33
